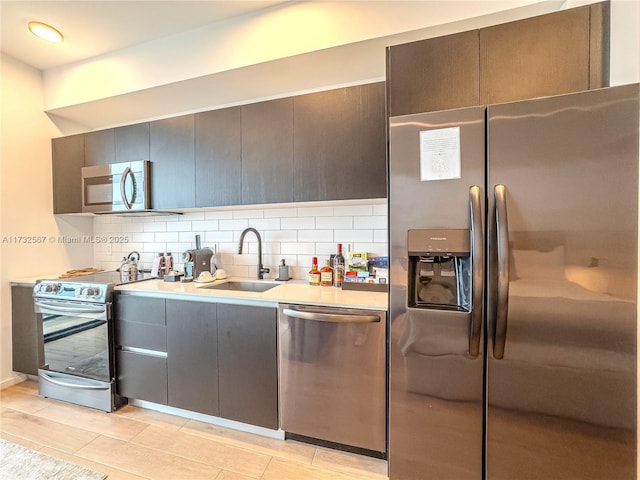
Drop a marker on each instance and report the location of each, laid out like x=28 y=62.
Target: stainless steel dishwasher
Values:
x=333 y=375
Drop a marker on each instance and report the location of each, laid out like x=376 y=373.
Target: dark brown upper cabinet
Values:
x=132 y=143
x=267 y=152
x=543 y=56
x=339 y=144
x=99 y=148
x=218 y=158
x=68 y=160
x=434 y=74
x=172 y=155
x=553 y=54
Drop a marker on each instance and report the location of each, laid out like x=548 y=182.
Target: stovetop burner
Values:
x=115 y=278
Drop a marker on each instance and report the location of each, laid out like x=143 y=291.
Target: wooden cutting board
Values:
x=81 y=271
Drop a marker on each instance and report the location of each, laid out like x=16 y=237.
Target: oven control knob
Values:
x=90 y=292
x=50 y=288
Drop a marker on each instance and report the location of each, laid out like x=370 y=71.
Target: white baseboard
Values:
x=17 y=378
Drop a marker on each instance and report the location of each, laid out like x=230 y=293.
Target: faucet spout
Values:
x=261 y=269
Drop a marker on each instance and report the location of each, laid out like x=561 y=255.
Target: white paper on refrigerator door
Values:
x=440 y=154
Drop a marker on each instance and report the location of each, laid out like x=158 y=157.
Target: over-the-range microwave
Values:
x=118 y=187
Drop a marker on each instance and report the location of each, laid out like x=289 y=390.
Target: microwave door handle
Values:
x=477 y=262
x=123 y=190
x=502 y=245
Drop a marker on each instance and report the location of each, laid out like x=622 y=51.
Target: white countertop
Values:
x=293 y=291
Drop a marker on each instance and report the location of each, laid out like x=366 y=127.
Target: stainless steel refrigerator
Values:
x=513 y=304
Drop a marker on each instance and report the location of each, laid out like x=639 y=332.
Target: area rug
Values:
x=21 y=463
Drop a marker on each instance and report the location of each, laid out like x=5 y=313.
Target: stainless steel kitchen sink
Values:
x=243 y=286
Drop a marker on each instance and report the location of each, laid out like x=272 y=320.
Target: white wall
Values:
x=295 y=232
x=26 y=210
x=625 y=42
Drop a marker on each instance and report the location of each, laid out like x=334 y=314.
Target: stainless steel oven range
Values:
x=79 y=364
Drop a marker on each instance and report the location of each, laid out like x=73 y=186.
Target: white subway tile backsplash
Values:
x=295 y=233
x=380 y=236
x=167 y=236
x=353 y=210
x=205 y=225
x=215 y=237
x=381 y=209
x=315 y=236
x=155 y=227
x=248 y=213
x=233 y=225
x=298 y=248
x=181 y=226
x=373 y=221
x=334 y=222
x=298 y=223
x=218 y=215
x=280 y=212
x=315 y=211
x=343 y=236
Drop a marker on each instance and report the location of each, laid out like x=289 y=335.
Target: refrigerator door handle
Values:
x=477 y=261
x=502 y=304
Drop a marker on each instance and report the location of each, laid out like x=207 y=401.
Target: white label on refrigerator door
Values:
x=440 y=154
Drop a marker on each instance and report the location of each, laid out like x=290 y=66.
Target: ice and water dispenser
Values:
x=439 y=269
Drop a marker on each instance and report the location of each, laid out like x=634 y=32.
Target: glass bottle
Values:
x=338 y=268
x=326 y=275
x=314 y=273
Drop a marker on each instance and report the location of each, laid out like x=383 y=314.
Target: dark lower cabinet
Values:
x=247 y=364
x=340 y=144
x=68 y=160
x=141 y=348
x=142 y=376
x=26 y=332
x=192 y=351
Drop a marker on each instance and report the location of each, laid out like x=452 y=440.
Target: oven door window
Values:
x=76 y=341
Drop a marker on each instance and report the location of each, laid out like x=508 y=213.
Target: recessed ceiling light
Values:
x=45 y=32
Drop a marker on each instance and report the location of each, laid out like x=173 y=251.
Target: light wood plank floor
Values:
x=136 y=444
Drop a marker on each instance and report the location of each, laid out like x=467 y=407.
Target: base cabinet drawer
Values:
x=141 y=376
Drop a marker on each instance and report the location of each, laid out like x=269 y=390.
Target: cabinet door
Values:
x=192 y=356
x=434 y=74
x=339 y=144
x=267 y=152
x=247 y=362
x=26 y=332
x=99 y=148
x=68 y=160
x=172 y=163
x=535 y=57
x=143 y=377
x=218 y=158
x=132 y=143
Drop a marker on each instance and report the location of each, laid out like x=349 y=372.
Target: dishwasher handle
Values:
x=331 y=317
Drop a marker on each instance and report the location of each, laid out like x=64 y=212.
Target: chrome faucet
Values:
x=261 y=269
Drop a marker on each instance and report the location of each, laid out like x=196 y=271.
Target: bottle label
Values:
x=326 y=277
x=314 y=278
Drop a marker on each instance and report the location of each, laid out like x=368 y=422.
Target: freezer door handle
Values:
x=88 y=386
x=477 y=259
x=502 y=302
x=330 y=317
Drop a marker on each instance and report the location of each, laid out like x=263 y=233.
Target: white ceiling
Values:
x=92 y=28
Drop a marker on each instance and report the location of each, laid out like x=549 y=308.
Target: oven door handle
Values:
x=76 y=386
x=68 y=309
